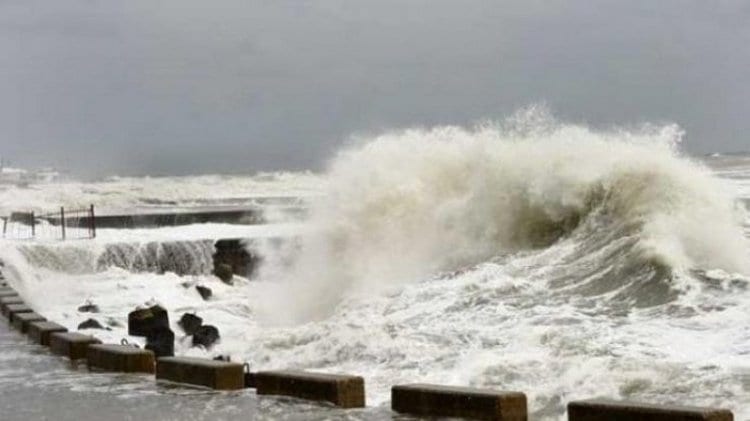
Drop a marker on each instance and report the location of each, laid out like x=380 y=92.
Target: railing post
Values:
x=62 y=221
x=33 y=225
x=92 y=222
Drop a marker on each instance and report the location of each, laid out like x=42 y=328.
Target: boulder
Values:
x=224 y=272
x=234 y=253
x=89 y=307
x=160 y=341
x=142 y=321
x=190 y=323
x=205 y=292
x=90 y=324
x=206 y=336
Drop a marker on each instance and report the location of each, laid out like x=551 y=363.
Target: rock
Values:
x=234 y=253
x=224 y=358
x=112 y=322
x=161 y=341
x=206 y=336
x=205 y=292
x=89 y=307
x=224 y=272
x=190 y=323
x=142 y=321
x=90 y=324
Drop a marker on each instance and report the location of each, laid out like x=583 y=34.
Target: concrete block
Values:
x=611 y=410
x=121 y=358
x=40 y=332
x=12 y=309
x=218 y=375
x=8 y=292
x=21 y=320
x=6 y=301
x=465 y=402
x=341 y=390
x=71 y=345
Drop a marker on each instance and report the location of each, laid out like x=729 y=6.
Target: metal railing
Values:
x=63 y=224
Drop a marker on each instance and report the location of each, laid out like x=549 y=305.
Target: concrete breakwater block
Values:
x=6 y=301
x=121 y=358
x=218 y=375
x=342 y=390
x=40 y=332
x=611 y=410
x=72 y=345
x=465 y=402
x=21 y=320
x=11 y=310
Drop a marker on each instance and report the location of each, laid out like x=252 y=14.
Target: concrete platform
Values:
x=9 y=294
x=464 y=402
x=120 y=358
x=21 y=320
x=71 y=345
x=170 y=216
x=10 y=310
x=6 y=301
x=217 y=375
x=341 y=390
x=40 y=332
x=611 y=410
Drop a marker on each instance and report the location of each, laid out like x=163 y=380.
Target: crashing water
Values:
x=525 y=255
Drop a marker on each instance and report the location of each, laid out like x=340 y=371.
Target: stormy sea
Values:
x=527 y=254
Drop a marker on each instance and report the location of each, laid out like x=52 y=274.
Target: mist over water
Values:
x=524 y=254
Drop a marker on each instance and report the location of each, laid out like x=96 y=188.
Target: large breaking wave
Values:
x=600 y=210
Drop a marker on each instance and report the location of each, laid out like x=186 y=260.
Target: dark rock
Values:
x=205 y=292
x=90 y=324
x=224 y=272
x=141 y=322
x=224 y=358
x=161 y=342
x=234 y=253
x=89 y=307
x=206 y=336
x=190 y=323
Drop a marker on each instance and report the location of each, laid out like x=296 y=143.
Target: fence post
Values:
x=33 y=225
x=62 y=221
x=5 y=226
x=92 y=222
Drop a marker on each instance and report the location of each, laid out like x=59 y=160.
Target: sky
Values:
x=237 y=86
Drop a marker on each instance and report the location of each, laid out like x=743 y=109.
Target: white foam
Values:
x=480 y=203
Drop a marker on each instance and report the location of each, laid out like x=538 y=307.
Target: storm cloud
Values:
x=187 y=86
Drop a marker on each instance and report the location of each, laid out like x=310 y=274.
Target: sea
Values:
x=560 y=260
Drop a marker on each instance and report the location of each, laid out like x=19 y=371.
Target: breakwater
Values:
x=345 y=391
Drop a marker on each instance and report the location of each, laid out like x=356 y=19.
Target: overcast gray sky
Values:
x=189 y=86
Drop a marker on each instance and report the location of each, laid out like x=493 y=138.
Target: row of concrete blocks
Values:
x=341 y=390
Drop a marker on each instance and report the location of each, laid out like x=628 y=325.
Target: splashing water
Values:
x=526 y=255
x=403 y=206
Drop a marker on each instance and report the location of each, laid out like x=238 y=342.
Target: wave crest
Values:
x=405 y=204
